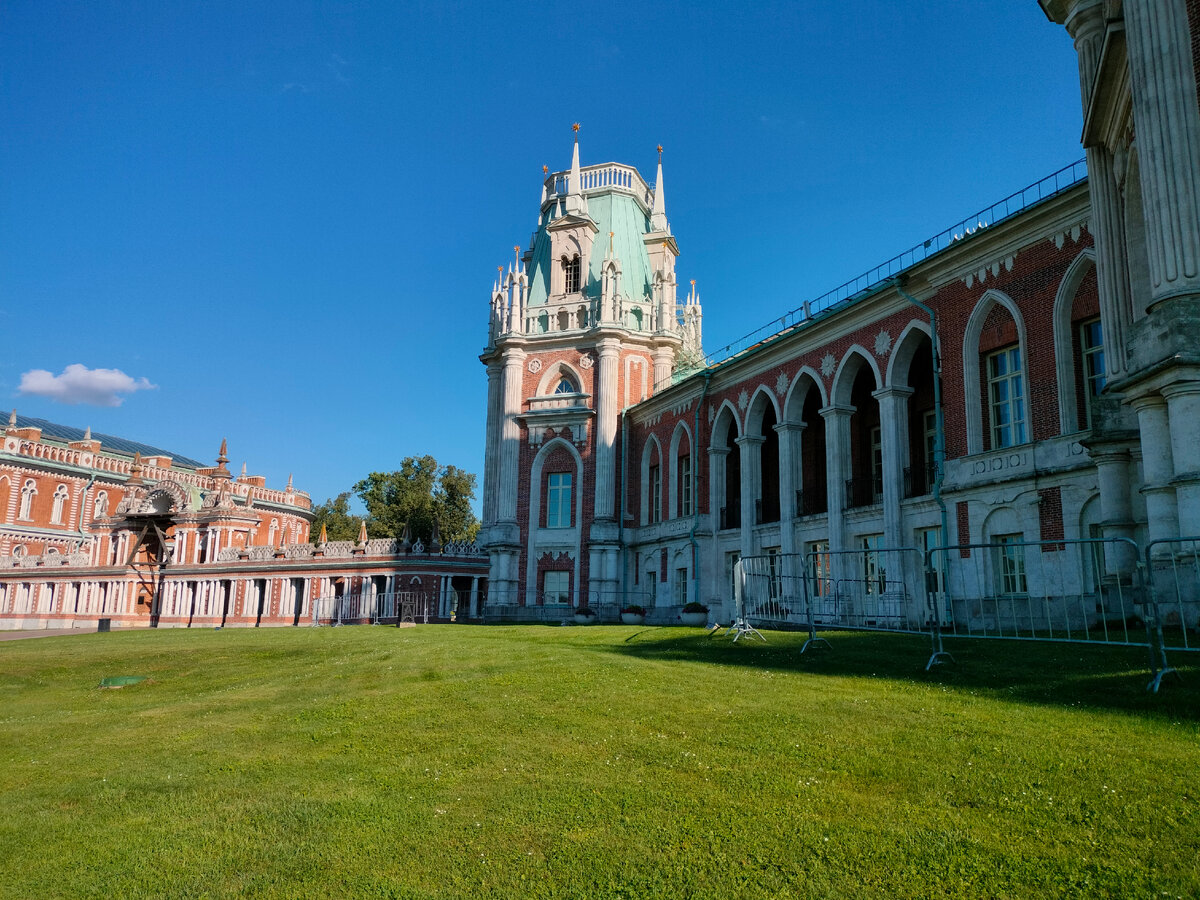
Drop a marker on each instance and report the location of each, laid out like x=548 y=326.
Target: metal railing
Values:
x=857 y=288
x=811 y=502
x=370 y=608
x=864 y=490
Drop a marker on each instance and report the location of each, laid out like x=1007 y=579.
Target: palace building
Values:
x=1030 y=374
x=95 y=527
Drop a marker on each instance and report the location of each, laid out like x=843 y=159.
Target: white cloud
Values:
x=79 y=384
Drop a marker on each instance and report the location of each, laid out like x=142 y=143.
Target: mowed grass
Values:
x=455 y=761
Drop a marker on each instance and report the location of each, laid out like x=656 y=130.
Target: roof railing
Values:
x=1044 y=189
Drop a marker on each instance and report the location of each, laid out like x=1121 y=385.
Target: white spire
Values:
x=658 y=215
x=574 y=189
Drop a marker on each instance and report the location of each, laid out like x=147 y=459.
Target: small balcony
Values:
x=811 y=502
x=731 y=517
x=865 y=490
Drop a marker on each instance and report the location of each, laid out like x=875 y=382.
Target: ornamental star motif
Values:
x=743 y=401
x=781 y=384
x=883 y=343
x=828 y=364
x=535 y=365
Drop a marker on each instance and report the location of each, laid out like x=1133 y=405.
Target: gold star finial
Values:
x=516 y=248
x=575 y=127
x=660 y=150
x=545 y=169
x=693 y=282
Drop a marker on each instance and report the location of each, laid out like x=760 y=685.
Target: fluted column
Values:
x=1183 y=406
x=510 y=436
x=608 y=353
x=1158 y=468
x=1167 y=122
x=491 y=465
x=664 y=362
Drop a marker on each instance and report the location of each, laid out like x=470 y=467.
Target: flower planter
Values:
x=694 y=619
x=632 y=618
x=584 y=620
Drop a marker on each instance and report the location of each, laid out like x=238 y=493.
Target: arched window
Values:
x=271 y=532
x=28 y=492
x=100 y=508
x=571 y=274
x=60 y=500
x=18 y=551
x=566 y=386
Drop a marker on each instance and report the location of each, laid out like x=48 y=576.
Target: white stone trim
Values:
x=843 y=379
x=1064 y=337
x=972 y=401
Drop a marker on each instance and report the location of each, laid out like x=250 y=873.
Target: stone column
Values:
x=1158 y=468
x=473 y=610
x=510 y=441
x=1116 y=511
x=608 y=353
x=893 y=414
x=495 y=414
x=1183 y=406
x=664 y=362
x=837 y=454
x=790 y=434
x=751 y=453
x=1167 y=122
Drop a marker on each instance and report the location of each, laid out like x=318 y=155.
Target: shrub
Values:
x=695 y=607
x=634 y=610
x=585 y=611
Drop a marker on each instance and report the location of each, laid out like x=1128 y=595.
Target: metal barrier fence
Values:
x=1080 y=591
x=1173 y=571
x=867 y=589
x=366 y=607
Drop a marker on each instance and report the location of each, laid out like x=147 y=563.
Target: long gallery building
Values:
x=1031 y=374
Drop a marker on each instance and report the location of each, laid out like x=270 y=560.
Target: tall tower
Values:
x=583 y=323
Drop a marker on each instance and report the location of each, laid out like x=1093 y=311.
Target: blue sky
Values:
x=286 y=217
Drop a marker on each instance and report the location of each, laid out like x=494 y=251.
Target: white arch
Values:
x=795 y=413
x=554 y=373
x=972 y=400
x=843 y=378
x=650 y=450
x=570 y=535
x=906 y=350
x=725 y=406
x=59 y=505
x=1064 y=344
x=755 y=411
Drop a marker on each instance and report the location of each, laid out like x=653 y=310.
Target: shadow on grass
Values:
x=1069 y=675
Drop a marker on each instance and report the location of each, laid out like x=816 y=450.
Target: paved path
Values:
x=41 y=632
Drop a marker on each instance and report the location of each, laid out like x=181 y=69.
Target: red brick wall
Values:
x=961 y=512
x=1050 y=517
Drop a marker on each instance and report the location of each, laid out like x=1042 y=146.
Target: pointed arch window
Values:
x=571 y=274
x=28 y=492
x=60 y=501
x=566 y=386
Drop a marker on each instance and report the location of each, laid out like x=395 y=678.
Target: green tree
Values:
x=335 y=516
x=414 y=495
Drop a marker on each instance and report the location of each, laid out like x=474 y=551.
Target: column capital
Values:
x=1180 y=389
x=749 y=440
x=896 y=392
x=608 y=347
x=834 y=410
x=788 y=427
x=513 y=355
x=1147 y=402
x=718 y=451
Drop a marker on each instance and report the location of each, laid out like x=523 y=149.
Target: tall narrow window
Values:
x=28 y=492
x=930 y=429
x=571 y=274
x=655 y=494
x=774 y=573
x=558 y=500
x=60 y=502
x=1010 y=564
x=556 y=587
x=685 y=485
x=874 y=573
x=1091 y=344
x=877 y=463
x=100 y=508
x=817 y=560
x=681 y=587
x=1006 y=394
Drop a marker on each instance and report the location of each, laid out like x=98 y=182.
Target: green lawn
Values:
x=456 y=761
